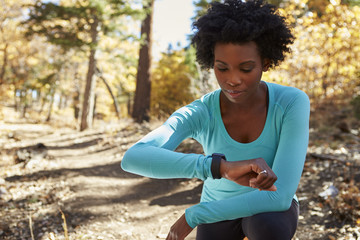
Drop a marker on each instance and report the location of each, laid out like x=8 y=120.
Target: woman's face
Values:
x=238 y=70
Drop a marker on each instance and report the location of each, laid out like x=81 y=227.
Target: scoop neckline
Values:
x=226 y=135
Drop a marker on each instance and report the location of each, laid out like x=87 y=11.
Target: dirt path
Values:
x=80 y=174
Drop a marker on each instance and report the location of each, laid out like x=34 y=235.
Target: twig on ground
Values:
x=64 y=224
x=327 y=157
x=31 y=228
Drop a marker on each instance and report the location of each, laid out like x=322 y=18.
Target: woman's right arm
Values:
x=153 y=156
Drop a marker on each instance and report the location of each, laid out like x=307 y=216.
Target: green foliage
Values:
x=325 y=56
x=171 y=87
x=351 y=2
x=69 y=25
x=52 y=21
x=275 y=2
x=190 y=61
x=201 y=7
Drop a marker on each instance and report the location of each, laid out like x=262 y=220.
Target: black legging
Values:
x=270 y=226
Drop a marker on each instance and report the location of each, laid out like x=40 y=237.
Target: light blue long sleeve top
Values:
x=282 y=144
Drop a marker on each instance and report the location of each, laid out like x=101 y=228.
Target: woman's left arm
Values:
x=288 y=165
x=154 y=156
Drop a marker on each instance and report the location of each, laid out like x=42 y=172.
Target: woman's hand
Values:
x=253 y=173
x=179 y=230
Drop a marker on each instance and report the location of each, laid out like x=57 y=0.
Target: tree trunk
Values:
x=15 y=98
x=88 y=101
x=3 y=68
x=76 y=101
x=76 y=94
x=23 y=102
x=94 y=109
x=43 y=101
x=116 y=106
x=143 y=82
x=51 y=105
x=129 y=105
x=61 y=99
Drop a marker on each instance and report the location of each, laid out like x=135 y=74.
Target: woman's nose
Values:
x=234 y=80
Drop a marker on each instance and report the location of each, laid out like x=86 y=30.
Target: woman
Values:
x=253 y=133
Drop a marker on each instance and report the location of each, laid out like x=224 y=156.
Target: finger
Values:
x=254 y=185
x=264 y=180
x=265 y=172
x=273 y=188
x=170 y=236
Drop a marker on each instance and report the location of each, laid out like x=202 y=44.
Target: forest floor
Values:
x=53 y=174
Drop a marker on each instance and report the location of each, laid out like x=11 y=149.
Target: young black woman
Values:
x=254 y=134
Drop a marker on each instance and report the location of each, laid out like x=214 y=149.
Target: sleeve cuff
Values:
x=188 y=218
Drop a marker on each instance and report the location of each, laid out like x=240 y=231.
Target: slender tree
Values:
x=89 y=101
x=115 y=102
x=5 y=61
x=78 y=25
x=141 y=106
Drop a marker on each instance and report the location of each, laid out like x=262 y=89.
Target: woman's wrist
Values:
x=223 y=168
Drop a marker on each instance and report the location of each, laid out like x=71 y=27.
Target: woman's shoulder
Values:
x=204 y=105
x=285 y=95
x=199 y=110
x=210 y=99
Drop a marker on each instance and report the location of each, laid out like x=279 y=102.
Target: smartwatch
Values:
x=215 y=164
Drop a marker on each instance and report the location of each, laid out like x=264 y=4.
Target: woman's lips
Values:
x=234 y=94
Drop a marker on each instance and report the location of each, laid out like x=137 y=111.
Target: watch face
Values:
x=220 y=155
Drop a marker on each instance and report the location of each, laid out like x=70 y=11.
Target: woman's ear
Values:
x=266 y=64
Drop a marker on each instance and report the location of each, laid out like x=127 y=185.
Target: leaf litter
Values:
x=76 y=190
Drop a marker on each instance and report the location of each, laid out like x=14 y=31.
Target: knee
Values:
x=265 y=226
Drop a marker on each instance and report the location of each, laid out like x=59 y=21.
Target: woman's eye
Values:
x=246 y=70
x=222 y=69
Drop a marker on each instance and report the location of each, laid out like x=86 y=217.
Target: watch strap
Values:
x=215 y=164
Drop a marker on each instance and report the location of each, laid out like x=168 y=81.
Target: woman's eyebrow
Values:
x=250 y=61
x=243 y=63
x=221 y=62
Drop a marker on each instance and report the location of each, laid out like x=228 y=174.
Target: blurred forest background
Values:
x=83 y=65
x=79 y=59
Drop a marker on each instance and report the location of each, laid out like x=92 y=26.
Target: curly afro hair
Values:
x=235 y=21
